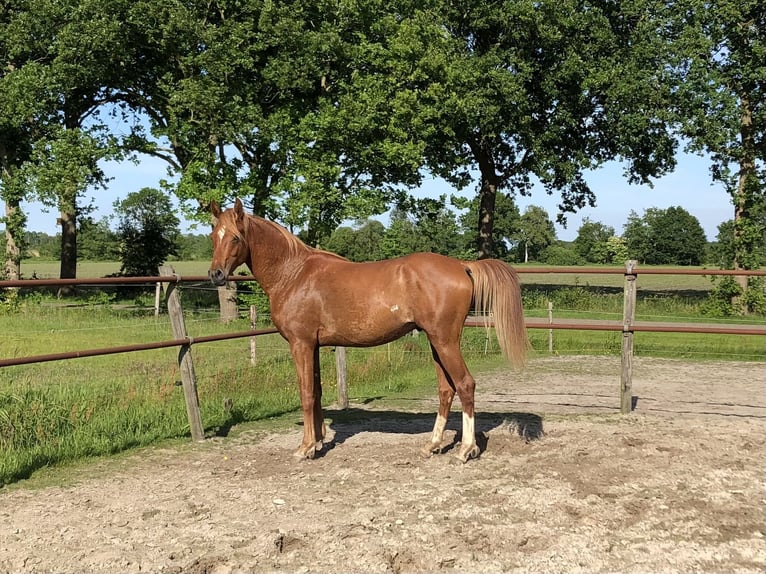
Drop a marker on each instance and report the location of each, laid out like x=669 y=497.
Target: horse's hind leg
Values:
x=451 y=361
x=446 y=395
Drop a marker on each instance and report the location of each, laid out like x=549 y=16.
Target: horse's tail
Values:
x=496 y=290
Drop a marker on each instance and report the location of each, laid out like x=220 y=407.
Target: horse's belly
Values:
x=364 y=331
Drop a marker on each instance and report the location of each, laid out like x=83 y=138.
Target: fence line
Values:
x=628 y=326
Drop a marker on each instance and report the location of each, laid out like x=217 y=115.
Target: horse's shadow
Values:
x=346 y=423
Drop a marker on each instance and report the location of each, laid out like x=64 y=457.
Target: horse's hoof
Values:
x=467 y=452
x=434 y=448
x=304 y=452
x=428 y=450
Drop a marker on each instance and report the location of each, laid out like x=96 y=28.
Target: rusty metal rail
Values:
x=135 y=347
x=645 y=326
x=176 y=278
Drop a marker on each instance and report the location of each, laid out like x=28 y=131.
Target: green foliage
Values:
x=249 y=293
x=193 y=247
x=560 y=255
x=669 y=236
x=724 y=298
x=593 y=242
x=148 y=231
x=96 y=241
x=722 y=102
x=536 y=233
x=755 y=296
x=506 y=230
x=9 y=300
x=42 y=245
x=318 y=113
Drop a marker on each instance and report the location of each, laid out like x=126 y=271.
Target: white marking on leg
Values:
x=469 y=431
x=438 y=434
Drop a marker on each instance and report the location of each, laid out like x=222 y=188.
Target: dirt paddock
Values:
x=564 y=484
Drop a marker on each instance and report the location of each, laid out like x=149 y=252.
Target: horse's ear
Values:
x=239 y=211
x=215 y=209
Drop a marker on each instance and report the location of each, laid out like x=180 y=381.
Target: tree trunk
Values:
x=490 y=181
x=12 y=251
x=68 y=222
x=14 y=219
x=227 y=299
x=485 y=245
x=744 y=196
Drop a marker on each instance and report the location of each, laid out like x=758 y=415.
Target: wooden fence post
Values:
x=340 y=368
x=253 y=324
x=185 y=363
x=157 y=299
x=550 y=331
x=628 y=316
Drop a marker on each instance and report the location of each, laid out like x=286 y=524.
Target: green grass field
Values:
x=56 y=413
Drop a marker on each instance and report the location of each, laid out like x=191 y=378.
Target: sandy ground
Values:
x=564 y=484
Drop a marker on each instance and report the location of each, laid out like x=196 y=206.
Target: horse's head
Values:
x=230 y=249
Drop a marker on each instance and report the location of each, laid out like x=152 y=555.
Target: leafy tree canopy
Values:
x=669 y=236
x=148 y=231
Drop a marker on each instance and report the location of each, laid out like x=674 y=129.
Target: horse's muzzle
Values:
x=217 y=277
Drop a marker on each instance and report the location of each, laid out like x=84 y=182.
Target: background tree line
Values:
x=318 y=112
x=146 y=234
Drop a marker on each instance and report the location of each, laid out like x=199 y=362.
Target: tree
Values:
x=22 y=89
x=636 y=236
x=505 y=228
x=194 y=247
x=592 y=239
x=273 y=102
x=368 y=239
x=64 y=58
x=616 y=250
x=341 y=241
x=401 y=236
x=546 y=89
x=669 y=236
x=148 y=231
x=720 y=69
x=96 y=241
x=536 y=232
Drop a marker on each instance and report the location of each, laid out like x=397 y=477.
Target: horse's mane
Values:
x=295 y=245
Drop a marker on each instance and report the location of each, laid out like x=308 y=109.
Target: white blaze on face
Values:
x=221 y=232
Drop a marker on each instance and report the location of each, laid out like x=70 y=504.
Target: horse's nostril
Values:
x=217 y=276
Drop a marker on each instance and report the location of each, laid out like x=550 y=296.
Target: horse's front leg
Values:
x=306 y=357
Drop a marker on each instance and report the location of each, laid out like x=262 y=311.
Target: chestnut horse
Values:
x=319 y=298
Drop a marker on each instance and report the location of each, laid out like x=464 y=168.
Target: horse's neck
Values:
x=274 y=259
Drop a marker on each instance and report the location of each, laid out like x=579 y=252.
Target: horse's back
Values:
x=373 y=302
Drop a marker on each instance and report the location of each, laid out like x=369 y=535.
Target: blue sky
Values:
x=689 y=187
